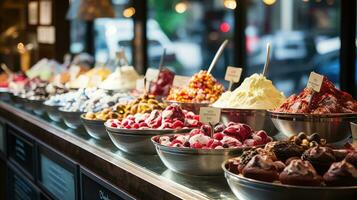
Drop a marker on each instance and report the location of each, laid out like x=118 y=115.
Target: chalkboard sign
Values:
x=94 y=188
x=57 y=175
x=21 y=150
x=19 y=187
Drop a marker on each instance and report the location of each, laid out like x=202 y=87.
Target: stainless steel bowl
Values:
x=332 y=127
x=18 y=101
x=194 y=107
x=257 y=119
x=36 y=106
x=52 y=112
x=136 y=141
x=71 y=119
x=95 y=128
x=245 y=188
x=196 y=162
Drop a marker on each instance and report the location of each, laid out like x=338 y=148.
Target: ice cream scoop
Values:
x=256 y=92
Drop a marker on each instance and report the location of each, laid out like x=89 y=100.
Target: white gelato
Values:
x=256 y=92
x=122 y=79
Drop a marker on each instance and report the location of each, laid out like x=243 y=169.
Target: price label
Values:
x=210 y=115
x=233 y=74
x=315 y=81
x=354 y=131
x=180 y=81
x=152 y=74
x=140 y=85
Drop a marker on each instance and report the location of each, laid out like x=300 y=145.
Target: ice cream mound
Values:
x=202 y=88
x=90 y=79
x=256 y=92
x=122 y=79
x=328 y=100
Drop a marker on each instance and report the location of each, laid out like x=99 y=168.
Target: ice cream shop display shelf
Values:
x=41 y=153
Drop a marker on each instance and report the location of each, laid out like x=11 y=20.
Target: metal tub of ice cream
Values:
x=52 y=112
x=246 y=189
x=36 y=106
x=95 y=128
x=71 y=119
x=195 y=162
x=19 y=101
x=257 y=119
x=333 y=127
x=137 y=141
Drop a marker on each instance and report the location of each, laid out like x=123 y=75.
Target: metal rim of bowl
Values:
x=36 y=101
x=281 y=115
x=92 y=121
x=123 y=131
x=52 y=106
x=280 y=185
x=64 y=111
x=180 y=150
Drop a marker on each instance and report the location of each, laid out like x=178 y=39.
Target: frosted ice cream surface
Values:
x=123 y=79
x=90 y=79
x=256 y=92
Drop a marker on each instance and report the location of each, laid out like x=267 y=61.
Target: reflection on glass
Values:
x=112 y=34
x=191 y=31
x=304 y=37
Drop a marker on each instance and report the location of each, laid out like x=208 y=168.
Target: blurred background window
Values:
x=304 y=36
x=77 y=36
x=110 y=34
x=191 y=31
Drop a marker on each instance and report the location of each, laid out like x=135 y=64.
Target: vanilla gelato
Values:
x=122 y=79
x=256 y=92
x=90 y=79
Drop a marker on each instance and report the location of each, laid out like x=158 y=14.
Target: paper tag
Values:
x=140 y=85
x=315 y=81
x=151 y=74
x=233 y=74
x=354 y=131
x=210 y=115
x=180 y=81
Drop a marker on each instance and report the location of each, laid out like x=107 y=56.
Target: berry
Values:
x=225 y=146
x=186 y=144
x=218 y=136
x=262 y=134
x=197 y=145
x=219 y=128
x=114 y=125
x=176 y=141
x=143 y=124
x=177 y=124
x=135 y=125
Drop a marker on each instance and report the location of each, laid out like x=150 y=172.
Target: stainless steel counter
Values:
x=143 y=176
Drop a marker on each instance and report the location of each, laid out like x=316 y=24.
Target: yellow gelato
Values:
x=256 y=92
x=123 y=79
x=90 y=79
